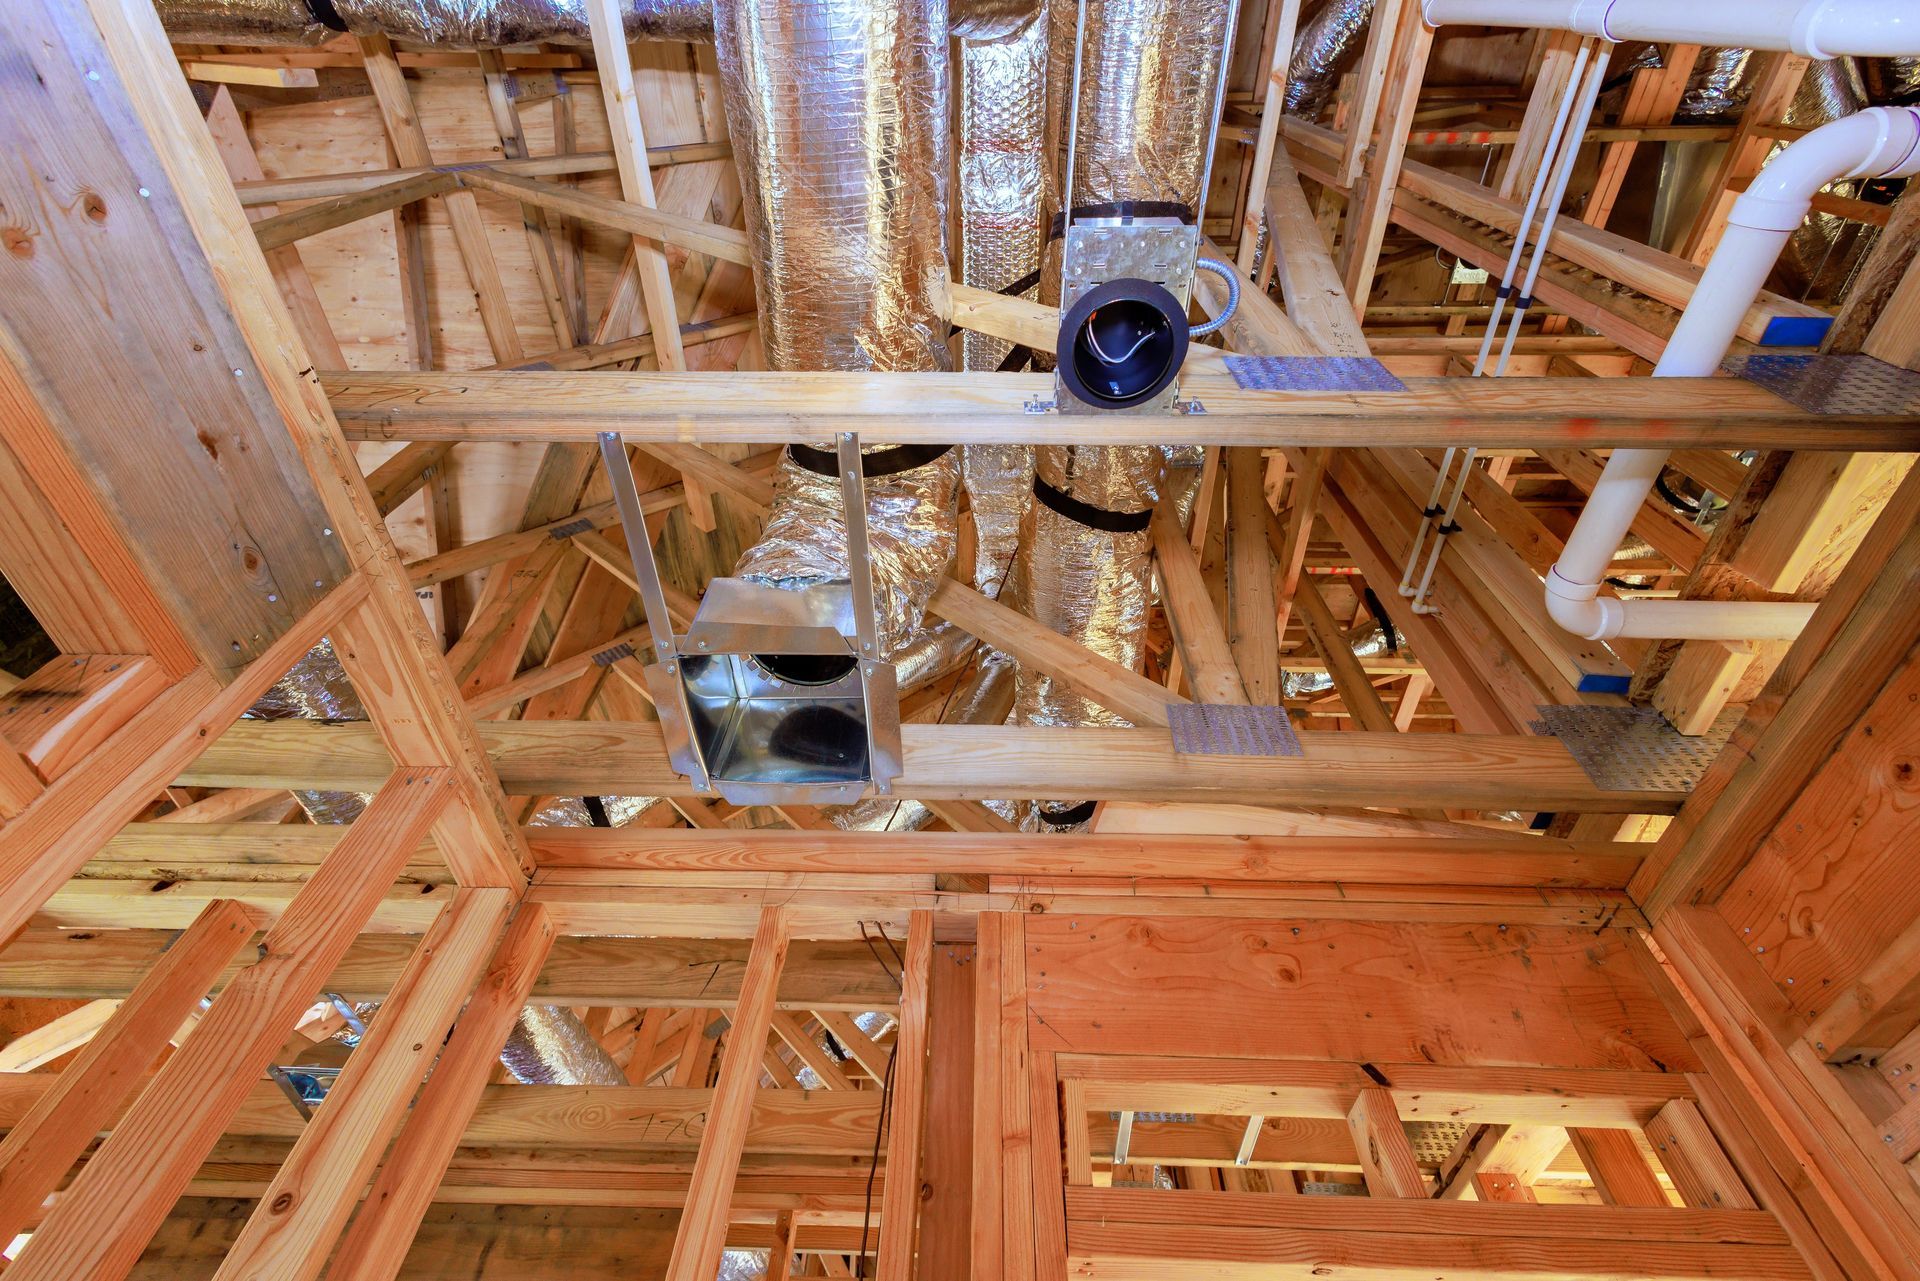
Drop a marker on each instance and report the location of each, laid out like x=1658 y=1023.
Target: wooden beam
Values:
x=1118 y=689
x=1692 y=1158
x=1614 y=1163
x=703 y=1224
x=1252 y=635
x=410 y=147
x=292 y=1232
x=778 y=408
x=1349 y=680
x=376 y=1245
x=1196 y=627
x=1371 y=207
x=325 y=215
x=102 y=1223
x=1283 y=16
x=42 y=1145
x=900 y=1206
x=571 y=758
x=1386 y=1158
x=614 y=63
x=402 y=476
x=63 y=826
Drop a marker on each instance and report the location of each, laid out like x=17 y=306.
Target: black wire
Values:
x=873 y=1165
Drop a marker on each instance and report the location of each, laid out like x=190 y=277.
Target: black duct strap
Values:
x=1087 y=514
x=1054 y=816
x=881 y=462
x=323 y=12
x=1014 y=361
x=1379 y=613
x=596 y=811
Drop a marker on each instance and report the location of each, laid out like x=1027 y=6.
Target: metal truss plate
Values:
x=1840 y=384
x=1434 y=1141
x=1103 y=250
x=1634 y=749
x=1311 y=373
x=1313 y=1187
x=1209 y=729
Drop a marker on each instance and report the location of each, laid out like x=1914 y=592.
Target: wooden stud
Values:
x=102 y=1223
x=900 y=1202
x=703 y=1225
x=41 y=1145
x=1386 y=1158
x=376 y=1245
x=292 y=1232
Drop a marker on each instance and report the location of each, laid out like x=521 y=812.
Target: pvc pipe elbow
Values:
x=1581 y=609
x=1878 y=142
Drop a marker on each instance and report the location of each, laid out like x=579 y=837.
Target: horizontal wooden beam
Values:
x=976 y=762
x=271 y=191
x=837 y=1123
x=768 y=408
x=311 y=220
x=1477 y=857
x=680 y=973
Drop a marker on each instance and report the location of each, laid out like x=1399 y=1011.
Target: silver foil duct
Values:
x=1000 y=488
x=455 y=23
x=912 y=533
x=1369 y=640
x=1001 y=163
x=443 y=23
x=275 y=22
x=1321 y=50
x=990 y=19
x=1720 y=86
x=1149 y=69
x=1892 y=81
x=550 y=1046
x=838 y=111
x=317 y=689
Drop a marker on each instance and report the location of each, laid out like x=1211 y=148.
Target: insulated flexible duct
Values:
x=838 y=112
x=444 y=23
x=1321 y=50
x=1719 y=87
x=1149 y=70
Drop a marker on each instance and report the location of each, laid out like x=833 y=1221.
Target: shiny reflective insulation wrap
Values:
x=1000 y=138
x=1321 y=49
x=473 y=23
x=1719 y=87
x=838 y=111
x=1825 y=249
x=1148 y=72
x=1369 y=640
x=247 y=22
x=317 y=689
x=912 y=533
x=549 y=1045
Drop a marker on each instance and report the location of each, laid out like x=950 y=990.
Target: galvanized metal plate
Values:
x=1211 y=729
x=1634 y=749
x=1434 y=1141
x=1839 y=384
x=1311 y=373
x=1101 y=250
x=1313 y=1187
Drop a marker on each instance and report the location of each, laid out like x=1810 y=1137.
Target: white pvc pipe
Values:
x=1589 y=93
x=1542 y=178
x=1877 y=142
x=1816 y=28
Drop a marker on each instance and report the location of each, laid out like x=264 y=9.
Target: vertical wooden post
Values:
x=900 y=1206
x=703 y=1223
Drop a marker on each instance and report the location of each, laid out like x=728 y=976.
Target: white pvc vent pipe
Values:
x=1877 y=142
x=1816 y=28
